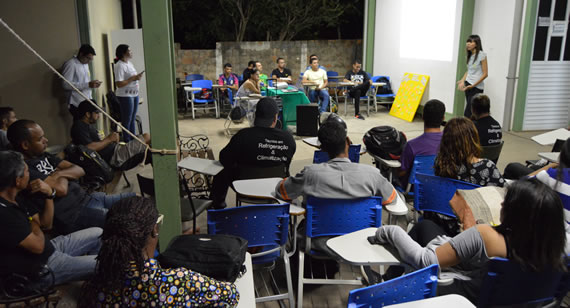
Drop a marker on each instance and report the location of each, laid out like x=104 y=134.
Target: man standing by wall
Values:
x=76 y=70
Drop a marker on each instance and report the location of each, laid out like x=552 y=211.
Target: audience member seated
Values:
x=128 y=275
x=531 y=233
x=281 y=73
x=319 y=90
x=260 y=146
x=7 y=116
x=228 y=79
x=26 y=250
x=427 y=143
x=84 y=132
x=247 y=71
x=311 y=57
x=339 y=178
x=489 y=130
x=250 y=86
x=362 y=84
x=459 y=156
x=75 y=209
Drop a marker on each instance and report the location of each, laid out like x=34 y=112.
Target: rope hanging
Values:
x=147 y=147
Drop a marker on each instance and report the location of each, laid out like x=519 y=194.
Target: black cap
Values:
x=265 y=112
x=84 y=107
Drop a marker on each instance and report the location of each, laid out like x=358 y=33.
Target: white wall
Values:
x=493 y=22
x=387 y=59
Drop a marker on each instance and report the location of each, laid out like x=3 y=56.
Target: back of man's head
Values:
x=265 y=112
x=86 y=49
x=13 y=166
x=480 y=104
x=434 y=113
x=19 y=132
x=5 y=114
x=332 y=136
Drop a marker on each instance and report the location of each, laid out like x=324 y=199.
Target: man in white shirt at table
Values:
x=319 y=90
x=76 y=70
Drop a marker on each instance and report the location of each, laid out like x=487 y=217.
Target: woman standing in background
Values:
x=127 y=82
x=477 y=71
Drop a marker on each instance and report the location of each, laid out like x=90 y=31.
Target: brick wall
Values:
x=335 y=55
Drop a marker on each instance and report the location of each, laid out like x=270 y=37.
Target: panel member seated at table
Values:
x=250 y=86
x=531 y=234
x=425 y=144
x=281 y=73
x=488 y=128
x=339 y=178
x=228 y=79
x=262 y=76
x=260 y=146
x=247 y=71
x=319 y=90
x=84 y=132
x=362 y=84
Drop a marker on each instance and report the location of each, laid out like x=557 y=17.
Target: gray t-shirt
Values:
x=475 y=70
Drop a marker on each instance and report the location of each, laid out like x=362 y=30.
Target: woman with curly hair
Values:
x=127 y=274
x=459 y=156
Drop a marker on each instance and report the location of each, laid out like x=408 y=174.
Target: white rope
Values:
x=148 y=148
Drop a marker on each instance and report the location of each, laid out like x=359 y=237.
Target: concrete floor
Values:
x=518 y=147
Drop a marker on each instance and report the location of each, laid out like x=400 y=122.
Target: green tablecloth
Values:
x=290 y=102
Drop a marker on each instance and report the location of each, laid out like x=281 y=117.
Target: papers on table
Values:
x=550 y=137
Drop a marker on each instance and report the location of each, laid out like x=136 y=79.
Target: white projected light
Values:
x=427 y=28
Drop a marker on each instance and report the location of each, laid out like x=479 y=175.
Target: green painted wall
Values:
x=370 y=31
x=464 y=32
x=159 y=64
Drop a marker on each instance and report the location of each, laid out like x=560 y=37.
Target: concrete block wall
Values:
x=335 y=55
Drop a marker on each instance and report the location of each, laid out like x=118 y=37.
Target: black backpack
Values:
x=90 y=161
x=385 y=89
x=385 y=142
x=218 y=256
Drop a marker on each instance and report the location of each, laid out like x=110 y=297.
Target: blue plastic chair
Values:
x=264 y=226
x=192 y=77
x=191 y=97
x=414 y=286
x=333 y=217
x=353 y=154
x=332 y=74
x=433 y=193
x=507 y=284
x=422 y=164
x=387 y=97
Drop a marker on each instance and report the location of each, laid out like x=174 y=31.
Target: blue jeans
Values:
x=74 y=256
x=95 y=208
x=129 y=106
x=314 y=96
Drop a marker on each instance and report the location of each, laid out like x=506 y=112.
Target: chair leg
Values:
x=375 y=105
x=368 y=106
x=126 y=180
x=289 y=278
x=301 y=276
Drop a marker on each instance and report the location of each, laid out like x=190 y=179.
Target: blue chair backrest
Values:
x=260 y=225
x=422 y=164
x=507 y=284
x=332 y=73
x=433 y=193
x=204 y=84
x=375 y=78
x=369 y=75
x=414 y=286
x=270 y=82
x=353 y=154
x=327 y=217
x=193 y=77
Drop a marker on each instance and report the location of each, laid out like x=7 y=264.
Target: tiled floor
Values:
x=518 y=147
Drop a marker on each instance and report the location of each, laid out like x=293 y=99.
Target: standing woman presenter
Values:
x=477 y=71
x=127 y=82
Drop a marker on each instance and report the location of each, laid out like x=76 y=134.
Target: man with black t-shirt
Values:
x=362 y=84
x=26 y=250
x=83 y=132
x=75 y=209
x=281 y=73
x=489 y=129
x=261 y=146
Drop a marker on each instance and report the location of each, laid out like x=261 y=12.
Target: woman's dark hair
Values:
x=120 y=52
x=332 y=136
x=477 y=40
x=532 y=221
x=250 y=63
x=459 y=146
x=13 y=166
x=253 y=72
x=128 y=226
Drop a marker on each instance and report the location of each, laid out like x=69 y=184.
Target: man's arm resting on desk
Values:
x=291 y=187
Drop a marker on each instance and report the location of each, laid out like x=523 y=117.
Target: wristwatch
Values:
x=52 y=196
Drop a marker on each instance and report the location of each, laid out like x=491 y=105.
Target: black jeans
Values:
x=468 y=97
x=222 y=181
x=356 y=92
